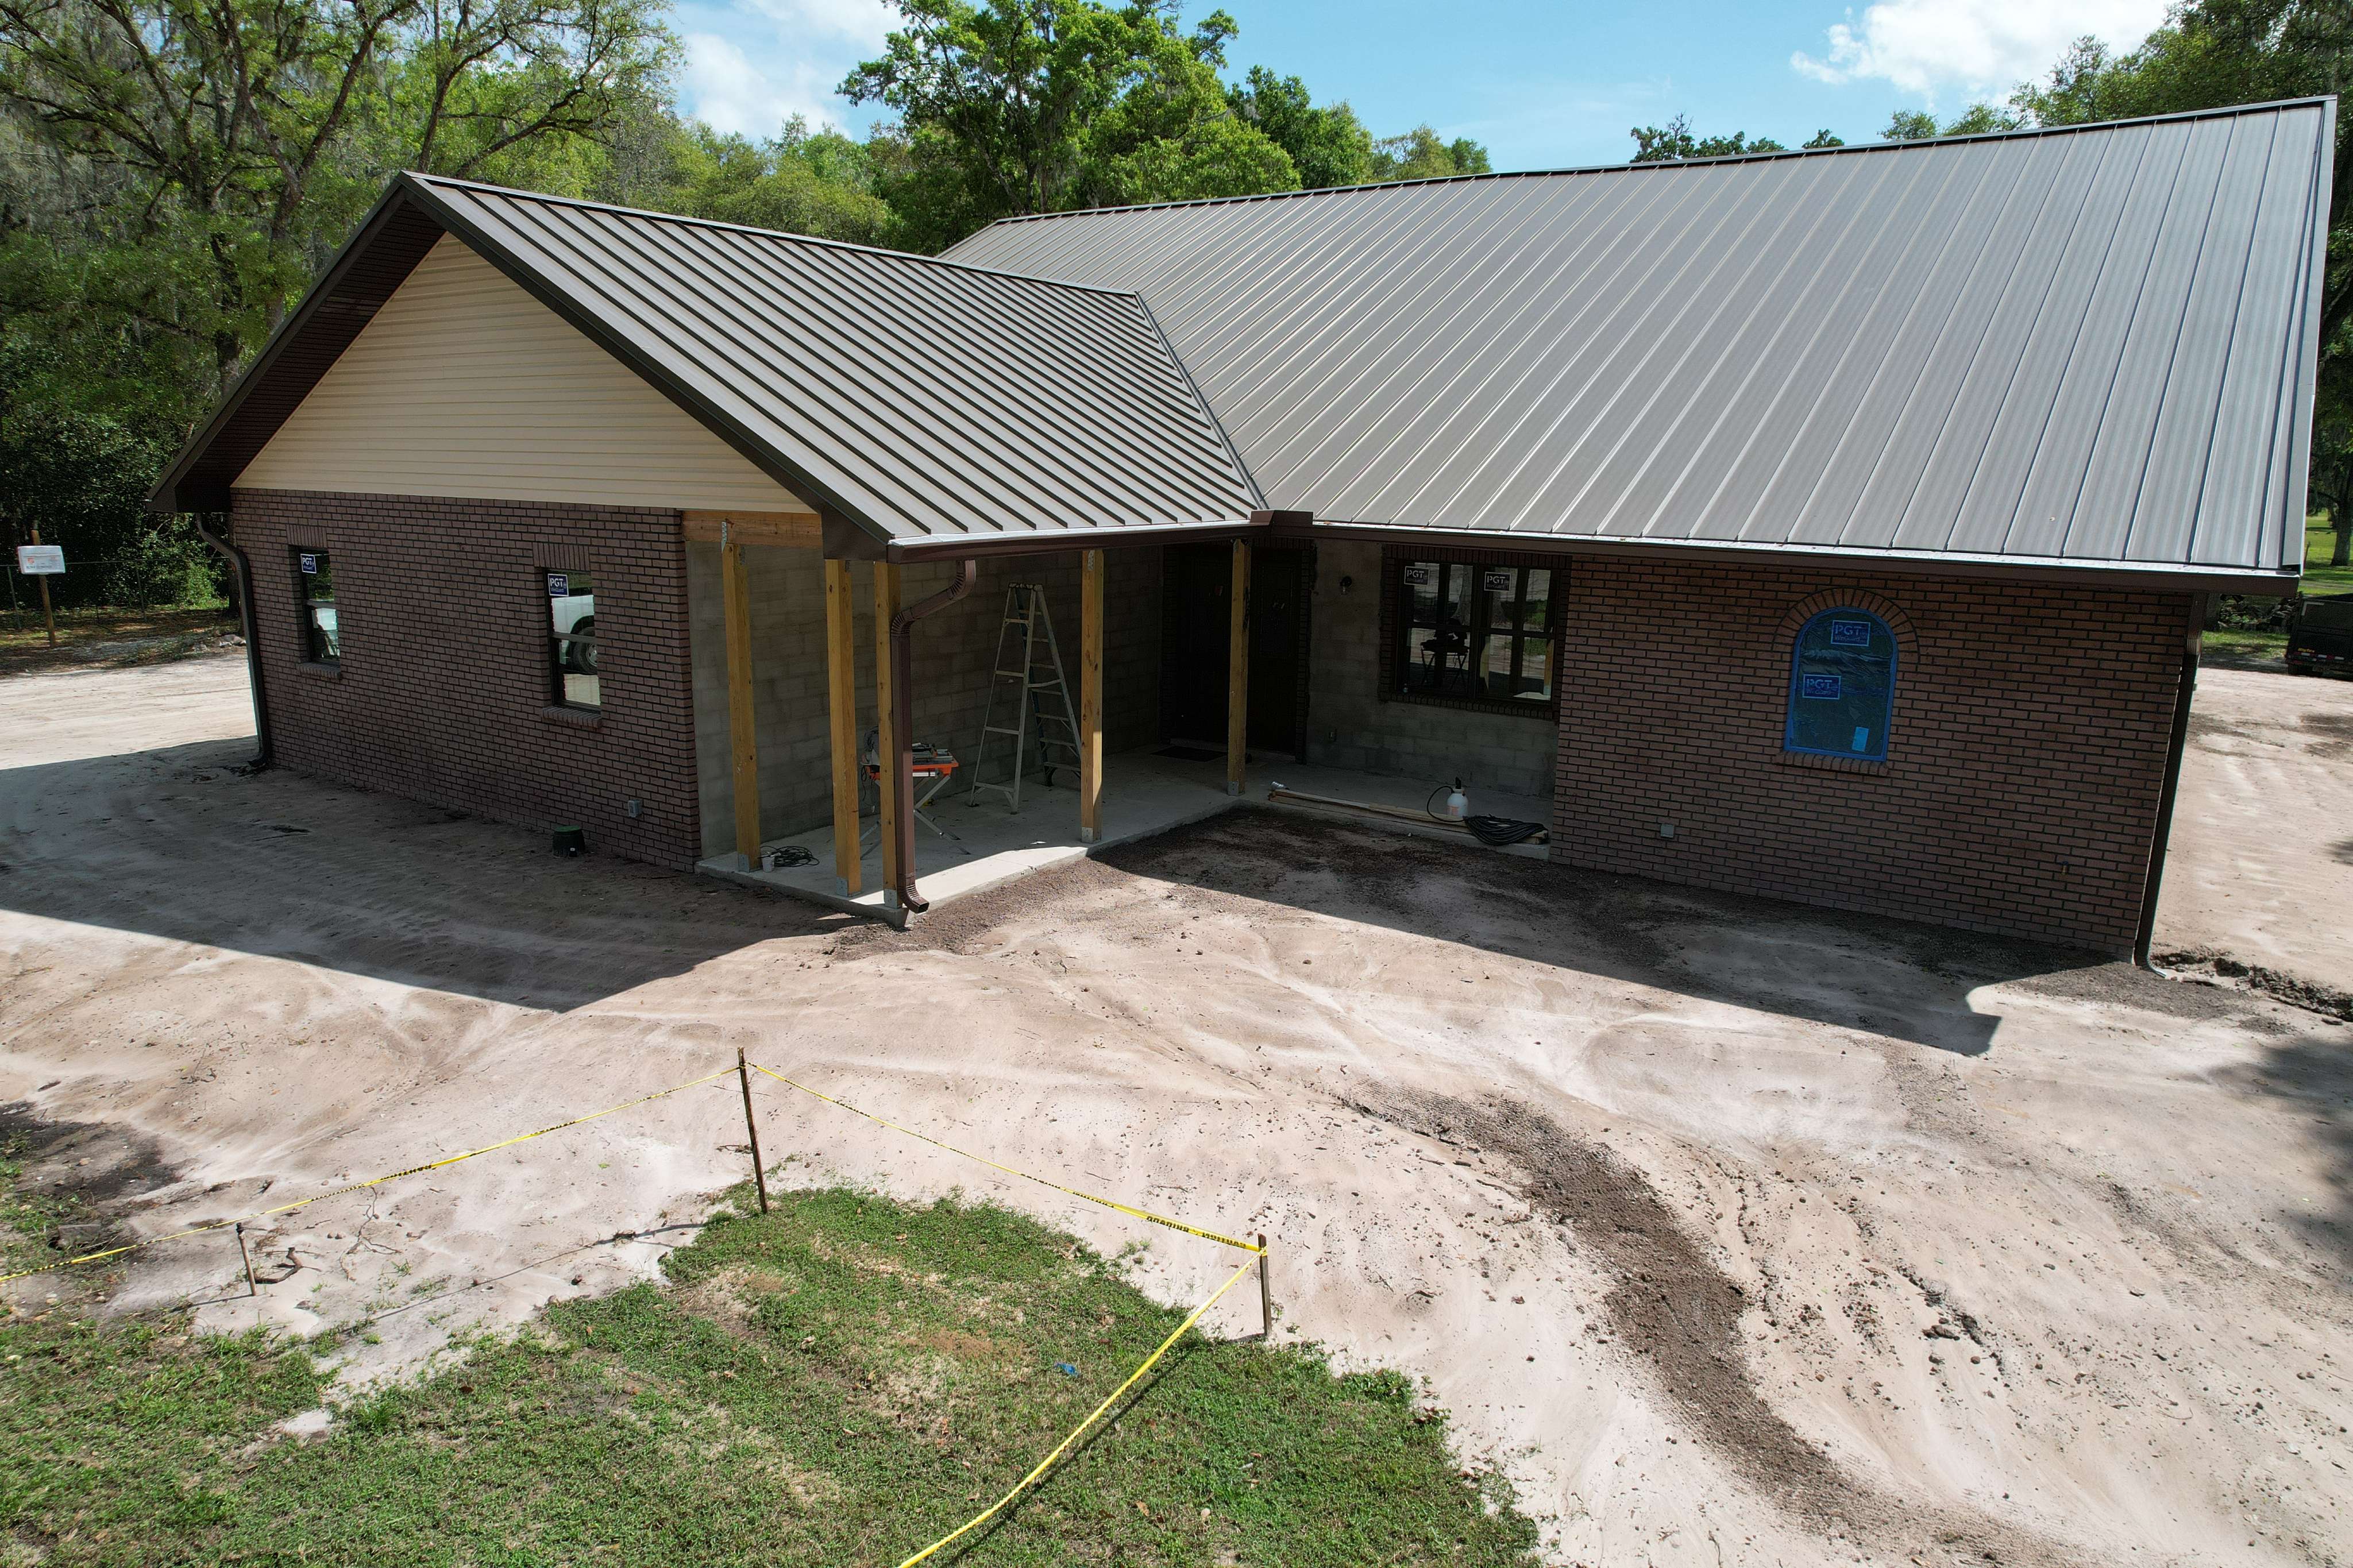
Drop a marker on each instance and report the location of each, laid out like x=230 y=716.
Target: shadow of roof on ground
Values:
x=1905 y=980
x=180 y=844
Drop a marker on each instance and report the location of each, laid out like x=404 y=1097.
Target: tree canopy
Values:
x=174 y=172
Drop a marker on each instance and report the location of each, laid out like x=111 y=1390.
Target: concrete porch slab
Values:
x=1144 y=793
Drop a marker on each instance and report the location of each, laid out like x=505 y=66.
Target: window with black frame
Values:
x=314 y=592
x=572 y=640
x=1474 y=632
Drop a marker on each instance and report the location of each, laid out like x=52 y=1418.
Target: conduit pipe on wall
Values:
x=2185 y=687
x=902 y=721
x=243 y=569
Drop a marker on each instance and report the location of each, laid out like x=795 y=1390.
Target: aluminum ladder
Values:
x=1027 y=623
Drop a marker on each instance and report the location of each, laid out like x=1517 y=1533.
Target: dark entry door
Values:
x=1197 y=581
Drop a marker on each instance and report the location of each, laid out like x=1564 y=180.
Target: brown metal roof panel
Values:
x=1975 y=401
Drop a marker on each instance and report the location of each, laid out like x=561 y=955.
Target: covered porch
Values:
x=879 y=734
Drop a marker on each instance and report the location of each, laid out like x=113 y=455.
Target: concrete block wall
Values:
x=2026 y=751
x=1349 y=725
x=442 y=692
x=955 y=651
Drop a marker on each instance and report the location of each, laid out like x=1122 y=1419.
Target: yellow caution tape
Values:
x=1093 y=1415
x=357 y=1186
x=1073 y=1191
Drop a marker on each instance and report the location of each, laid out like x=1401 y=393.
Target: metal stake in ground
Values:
x=1265 y=1294
x=246 y=1258
x=752 y=1129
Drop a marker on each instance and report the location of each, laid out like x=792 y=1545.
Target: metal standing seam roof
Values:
x=922 y=398
x=2089 y=346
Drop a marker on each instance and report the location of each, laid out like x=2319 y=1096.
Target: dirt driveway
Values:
x=1734 y=1233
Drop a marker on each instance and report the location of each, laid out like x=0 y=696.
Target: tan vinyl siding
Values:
x=466 y=386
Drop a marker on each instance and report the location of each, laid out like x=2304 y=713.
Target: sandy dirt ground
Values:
x=1733 y=1233
x=2261 y=868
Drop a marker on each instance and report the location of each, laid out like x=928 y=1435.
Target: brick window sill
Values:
x=577 y=718
x=313 y=667
x=1824 y=764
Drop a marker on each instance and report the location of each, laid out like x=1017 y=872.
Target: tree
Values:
x=1919 y=125
x=1422 y=154
x=1328 y=146
x=803 y=181
x=242 y=137
x=1029 y=106
x=1673 y=143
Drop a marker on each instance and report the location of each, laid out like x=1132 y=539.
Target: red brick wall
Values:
x=442 y=694
x=2026 y=751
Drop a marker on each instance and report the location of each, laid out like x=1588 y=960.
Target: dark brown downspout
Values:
x=236 y=558
x=2185 y=687
x=903 y=722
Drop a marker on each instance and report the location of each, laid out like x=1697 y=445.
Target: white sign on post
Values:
x=41 y=560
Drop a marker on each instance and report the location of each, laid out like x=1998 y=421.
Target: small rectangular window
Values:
x=572 y=638
x=314 y=592
x=1479 y=633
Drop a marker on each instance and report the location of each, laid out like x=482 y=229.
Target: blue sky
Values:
x=1544 y=83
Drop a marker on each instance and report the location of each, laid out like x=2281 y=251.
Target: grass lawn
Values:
x=167 y=634
x=2319 y=578
x=840 y=1382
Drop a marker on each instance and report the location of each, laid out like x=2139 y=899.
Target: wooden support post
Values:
x=886 y=604
x=841 y=706
x=742 y=737
x=1238 y=670
x=48 y=616
x=1266 y=1292
x=752 y=1131
x=1090 y=704
x=246 y=1258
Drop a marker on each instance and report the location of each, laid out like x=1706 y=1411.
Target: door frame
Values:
x=1294 y=717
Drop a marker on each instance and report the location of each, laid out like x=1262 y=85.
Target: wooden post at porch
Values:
x=886 y=604
x=742 y=737
x=1091 y=662
x=1238 y=670
x=841 y=711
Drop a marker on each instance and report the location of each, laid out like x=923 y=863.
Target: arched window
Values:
x=1842 y=687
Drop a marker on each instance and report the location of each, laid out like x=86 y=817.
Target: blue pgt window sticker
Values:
x=559 y=586
x=1842 y=690
x=310 y=566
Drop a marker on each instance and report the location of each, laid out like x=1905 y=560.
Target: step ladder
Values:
x=1040 y=698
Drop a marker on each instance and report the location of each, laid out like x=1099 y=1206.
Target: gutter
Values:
x=2185 y=687
x=902 y=723
x=265 y=752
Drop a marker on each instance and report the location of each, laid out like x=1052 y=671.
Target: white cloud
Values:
x=864 y=22
x=1974 y=47
x=735 y=93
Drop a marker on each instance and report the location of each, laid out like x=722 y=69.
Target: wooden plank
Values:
x=886 y=604
x=1238 y=670
x=841 y=711
x=1090 y=700
x=789 y=530
x=742 y=737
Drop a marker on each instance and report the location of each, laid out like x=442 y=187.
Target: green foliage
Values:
x=840 y=1381
x=1328 y=146
x=81 y=480
x=1977 y=119
x=1422 y=154
x=1034 y=106
x=1673 y=143
x=819 y=182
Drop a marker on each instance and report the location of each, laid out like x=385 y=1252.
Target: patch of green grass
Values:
x=2319 y=544
x=840 y=1382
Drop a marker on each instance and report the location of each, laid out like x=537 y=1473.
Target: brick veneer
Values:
x=442 y=692
x=2025 y=756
